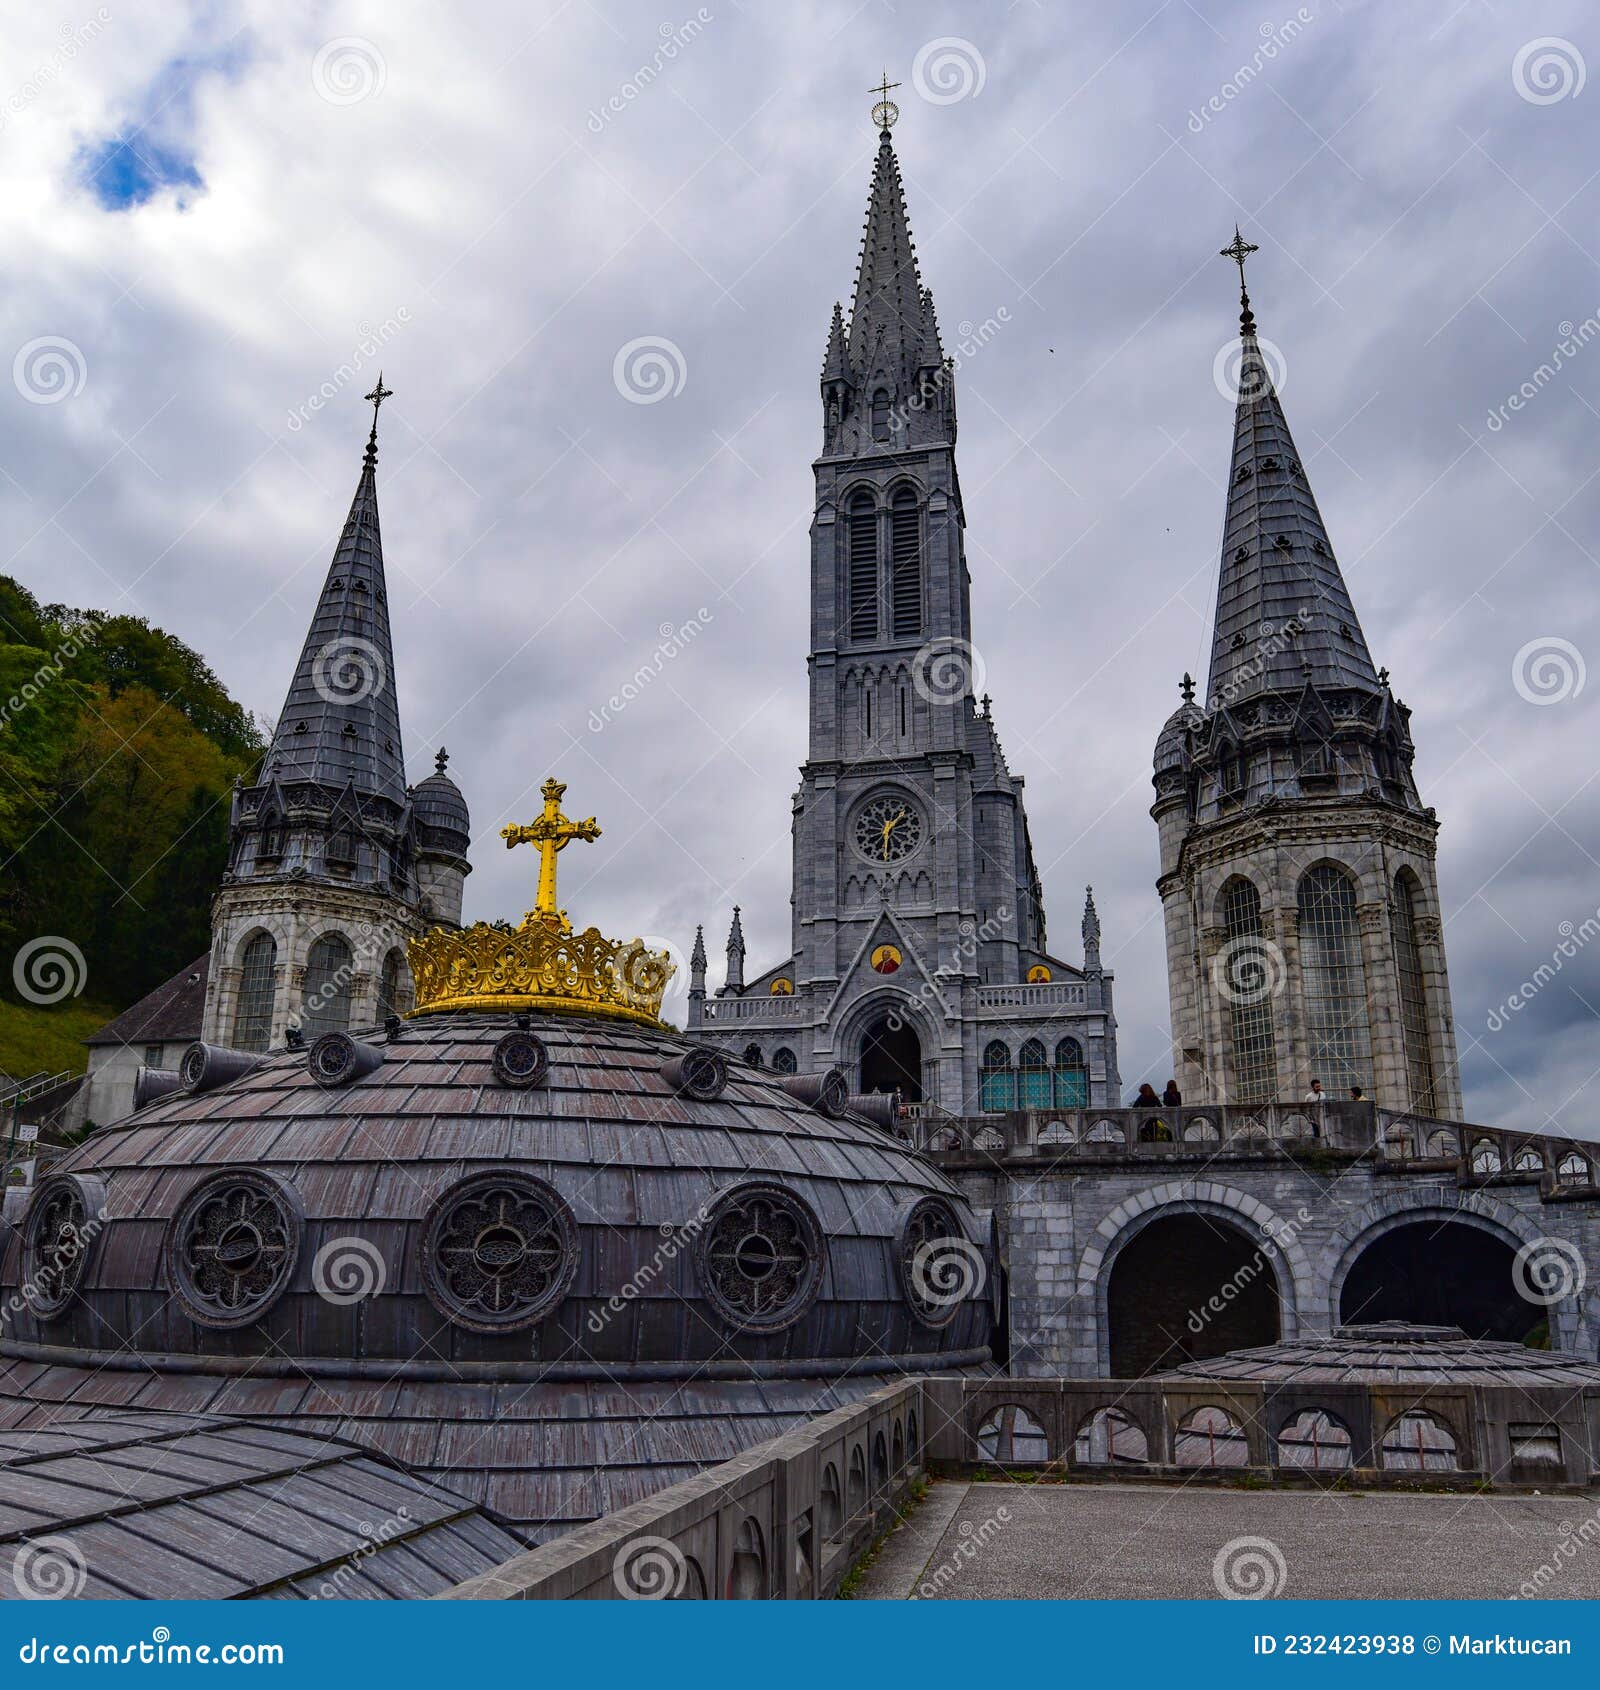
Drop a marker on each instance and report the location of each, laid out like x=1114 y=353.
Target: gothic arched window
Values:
x=905 y=567
x=1413 y=993
x=1034 y=1073
x=252 y=1016
x=325 y=1008
x=783 y=1060
x=997 y=1079
x=880 y=415
x=1246 y=976
x=863 y=568
x=1334 y=981
x=389 y=986
x=1072 y=1076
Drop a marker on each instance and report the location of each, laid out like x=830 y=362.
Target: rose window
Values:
x=232 y=1248
x=760 y=1258
x=60 y=1233
x=500 y=1253
x=939 y=1267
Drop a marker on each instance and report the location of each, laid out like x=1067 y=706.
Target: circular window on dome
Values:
x=232 y=1247
x=940 y=1267
x=500 y=1252
x=760 y=1258
x=63 y=1220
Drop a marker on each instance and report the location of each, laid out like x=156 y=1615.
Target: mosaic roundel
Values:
x=499 y=1253
x=62 y=1222
x=760 y=1258
x=232 y=1247
x=939 y=1268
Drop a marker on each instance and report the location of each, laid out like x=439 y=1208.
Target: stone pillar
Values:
x=1391 y=1087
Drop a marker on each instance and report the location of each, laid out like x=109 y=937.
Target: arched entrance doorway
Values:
x=891 y=1058
x=1186 y=1287
x=1442 y=1272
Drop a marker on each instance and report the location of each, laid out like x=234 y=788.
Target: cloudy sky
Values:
x=232 y=215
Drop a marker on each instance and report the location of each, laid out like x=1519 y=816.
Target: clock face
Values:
x=888 y=829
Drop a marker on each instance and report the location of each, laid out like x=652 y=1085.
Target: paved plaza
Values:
x=1098 y=1542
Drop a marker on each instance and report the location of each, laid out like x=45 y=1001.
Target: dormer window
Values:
x=272 y=841
x=1232 y=771
x=1316 y=760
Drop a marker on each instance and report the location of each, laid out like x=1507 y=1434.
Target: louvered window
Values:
x=906 y=543
x=863 y=568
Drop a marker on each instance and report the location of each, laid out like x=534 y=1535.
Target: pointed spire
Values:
x=1091 y=933
x=1283 y=609
x=888 y=308
x=736 y=953
x=341 y=721
x=835 y=366
x=697 y=957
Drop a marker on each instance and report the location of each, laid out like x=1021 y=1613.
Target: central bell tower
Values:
x=916 y=904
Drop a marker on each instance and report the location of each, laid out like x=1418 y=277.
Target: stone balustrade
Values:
x=787 y=1519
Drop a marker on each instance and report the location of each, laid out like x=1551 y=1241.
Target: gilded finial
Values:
x=885 y=113
x=375 y=398
x=551 y=833
x=544 y=963
x=1239 y=249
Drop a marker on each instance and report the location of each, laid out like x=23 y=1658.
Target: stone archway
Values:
x=1274 y=1235
x=1470 y=1209
x=890 y=1058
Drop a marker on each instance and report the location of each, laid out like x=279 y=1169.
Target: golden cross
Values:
x=551 y=833
x=885 y=111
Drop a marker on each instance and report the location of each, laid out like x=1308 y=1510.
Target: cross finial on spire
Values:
x=1239 y=249
x=885 y=113
x=375 y=398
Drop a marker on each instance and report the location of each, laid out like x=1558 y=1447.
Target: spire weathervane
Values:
x=375 y=398
x=552 y=832
x=1239 y=249
x=885 y=113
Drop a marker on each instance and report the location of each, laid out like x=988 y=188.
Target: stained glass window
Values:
x=1034 y=1092
x=1413 y=995
x=252 y=1018
x=326 y=1005
x=1071 y=1076
x=997 y=1079
x=1249 y=973
x=1334 y=982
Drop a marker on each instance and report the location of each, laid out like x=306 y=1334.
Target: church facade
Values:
x=919 y=961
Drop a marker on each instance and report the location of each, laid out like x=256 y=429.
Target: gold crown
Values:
x=543 y=964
